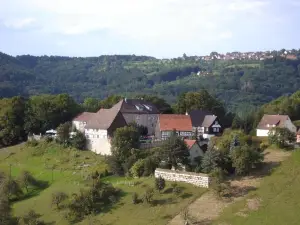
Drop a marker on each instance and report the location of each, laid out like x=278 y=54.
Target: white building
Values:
x=81 y=120
x=269 y=122
x=99 y=128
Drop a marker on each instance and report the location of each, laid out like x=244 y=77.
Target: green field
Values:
x=69 y=173
x=275 y=202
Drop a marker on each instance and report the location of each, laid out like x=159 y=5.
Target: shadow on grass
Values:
x=186 y=195
x=169 y=217
x=157 y=202
x=168 y=191
x=203 y=222
x=33 y=192
x=265 y=169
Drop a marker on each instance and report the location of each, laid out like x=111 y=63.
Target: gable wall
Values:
x=147 y=120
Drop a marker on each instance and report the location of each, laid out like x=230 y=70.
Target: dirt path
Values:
x=207 y=208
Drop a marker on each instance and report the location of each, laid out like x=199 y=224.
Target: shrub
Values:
x=79 y=141
x=160 y=184
x=150 y=164
x=218 y=183
x=112 y=199
x=244 y=158
x=175 y=189
x=281 y=137
x=115 y=165
x=135 y=198
x=32 y=143
x=148 y=195
x=58 y=198
x=48 y=139
x=137 y=169
x=211 y=160
x=32 y=218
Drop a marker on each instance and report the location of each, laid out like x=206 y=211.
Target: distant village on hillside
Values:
x=260 y=55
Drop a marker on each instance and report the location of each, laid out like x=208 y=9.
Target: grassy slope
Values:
x=69 y=177
x=280 y=198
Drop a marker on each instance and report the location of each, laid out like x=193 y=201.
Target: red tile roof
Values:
x=169 y=122
x=190 y=143
x=84 y=117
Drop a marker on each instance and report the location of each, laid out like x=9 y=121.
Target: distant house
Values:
x=205 y=123
x=194 y=149
x=269 y=122
x=139 y=111
x=167 y=123
x=100 y=128
x=291 y=57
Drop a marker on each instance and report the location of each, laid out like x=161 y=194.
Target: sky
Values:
x=159 y=28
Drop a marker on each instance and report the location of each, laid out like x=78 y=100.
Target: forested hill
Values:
x=235 y=82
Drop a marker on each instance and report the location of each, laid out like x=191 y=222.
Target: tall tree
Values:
x=91 y=105
x=199 y=100
x=175 y=151
x=110 y=101
x=46 y=112
x=11 y=121
x=125 y=139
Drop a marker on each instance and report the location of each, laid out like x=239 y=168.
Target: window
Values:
x=215 y=129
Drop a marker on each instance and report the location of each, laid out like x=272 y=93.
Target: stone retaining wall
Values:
x=198 y=179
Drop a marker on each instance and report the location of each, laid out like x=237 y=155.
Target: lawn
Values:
x=66 y=170
x=275 y=202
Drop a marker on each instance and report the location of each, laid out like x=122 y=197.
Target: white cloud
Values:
x=241 y=5
x=134 y=18
x=172 y=23
x=226 y=35
x=19 y=23
x=295 y=3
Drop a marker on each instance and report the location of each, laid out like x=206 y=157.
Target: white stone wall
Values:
x=98 y=141
x=198 y=179
x=99 y=146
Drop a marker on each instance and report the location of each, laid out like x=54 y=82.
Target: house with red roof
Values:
x=268 y=122
x=167 y=123
x=195 y=150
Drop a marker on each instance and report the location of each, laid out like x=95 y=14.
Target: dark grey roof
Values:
x=202 y=118
x=137 y=106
